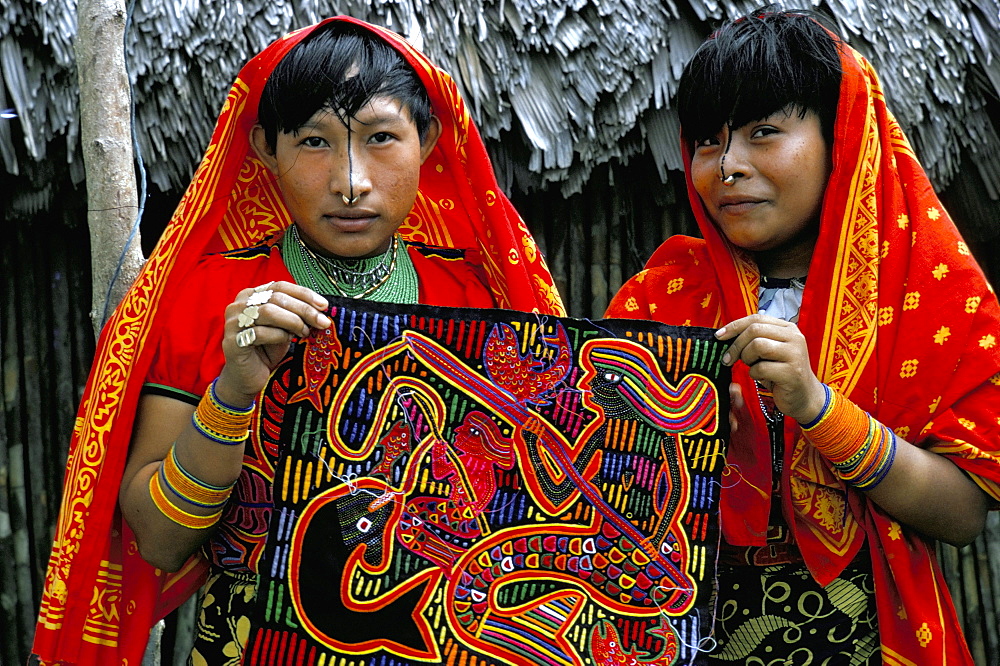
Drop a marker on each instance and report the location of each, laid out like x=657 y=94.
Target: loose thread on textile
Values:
x=731 y=469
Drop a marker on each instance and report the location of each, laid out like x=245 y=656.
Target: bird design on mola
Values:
x=524 y=376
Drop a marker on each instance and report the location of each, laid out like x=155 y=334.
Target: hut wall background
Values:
x=592 y=240
x=47 y=345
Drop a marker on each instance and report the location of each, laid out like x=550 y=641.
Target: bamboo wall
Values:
x=592 y=241
x=47 y=344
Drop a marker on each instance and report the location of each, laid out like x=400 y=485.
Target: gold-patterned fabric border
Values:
x=125 y=341
x=257 y=210
x=850 y=329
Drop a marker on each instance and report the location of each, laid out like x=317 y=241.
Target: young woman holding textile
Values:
x=344 y=163
x=866 y=371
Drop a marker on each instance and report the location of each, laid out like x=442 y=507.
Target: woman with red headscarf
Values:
x=866 y=370
x=343 y=163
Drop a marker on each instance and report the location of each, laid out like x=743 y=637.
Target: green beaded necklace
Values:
x=388 y=278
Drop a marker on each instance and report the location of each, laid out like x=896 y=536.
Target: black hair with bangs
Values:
x=758 y=64
x=339 y=67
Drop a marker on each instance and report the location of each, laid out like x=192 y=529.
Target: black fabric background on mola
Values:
x=463 y=486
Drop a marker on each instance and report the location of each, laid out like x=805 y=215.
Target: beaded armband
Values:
x=176 y=514
x=219 y=422
x=190 y=488
x=861 y=449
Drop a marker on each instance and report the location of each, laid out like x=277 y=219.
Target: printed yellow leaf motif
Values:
x=749 y=635
x=895 y=531
x=934 y=404
x=903 y=221
x=942 y=335
x=988 y=341
x=940 y=271
x=652 y=308
x=705 y=301
x=847 y=597
x=967 y=424
x=640 y=277
x=934 y=213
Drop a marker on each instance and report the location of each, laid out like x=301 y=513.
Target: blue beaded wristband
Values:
x=822 y=412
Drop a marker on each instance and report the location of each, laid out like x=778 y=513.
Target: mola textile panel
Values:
x=462 y=486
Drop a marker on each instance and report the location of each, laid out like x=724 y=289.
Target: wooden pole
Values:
x=109 y=161
x=106 y=134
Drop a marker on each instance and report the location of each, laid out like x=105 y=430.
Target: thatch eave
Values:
x=577 y=81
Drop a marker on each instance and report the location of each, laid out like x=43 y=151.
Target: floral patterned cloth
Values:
x=900 y=318
x=100 y=596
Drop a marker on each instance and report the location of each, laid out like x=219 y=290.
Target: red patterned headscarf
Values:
x=899 y=317
x=100 y=597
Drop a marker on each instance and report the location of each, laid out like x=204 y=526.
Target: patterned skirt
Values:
x=779 y=616
x=223 y=626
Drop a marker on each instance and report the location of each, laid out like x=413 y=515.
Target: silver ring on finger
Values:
x=260 y=297
x=249 y=316
x=246 y=337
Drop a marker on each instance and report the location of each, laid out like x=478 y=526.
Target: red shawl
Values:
x=899 y=317
x=100 y=597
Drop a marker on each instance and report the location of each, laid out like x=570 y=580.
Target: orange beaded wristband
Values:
x=219 y=422
x=861 y=449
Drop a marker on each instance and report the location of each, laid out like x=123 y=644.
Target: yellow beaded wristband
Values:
x=190 y=488
x=182 y=518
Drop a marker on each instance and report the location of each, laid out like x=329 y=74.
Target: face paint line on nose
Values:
x=350 y=163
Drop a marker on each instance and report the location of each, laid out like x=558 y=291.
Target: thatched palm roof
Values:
x=558 y=87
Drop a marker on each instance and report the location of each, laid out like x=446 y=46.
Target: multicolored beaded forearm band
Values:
x=177 y=515
x=220 y=422
x=190 y=488
x=861 y=449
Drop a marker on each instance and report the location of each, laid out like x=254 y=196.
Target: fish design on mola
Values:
x=323 y=350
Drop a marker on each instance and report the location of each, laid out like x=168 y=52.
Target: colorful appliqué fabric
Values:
x=900 y=318
x=100 y=596
x=477 y=486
